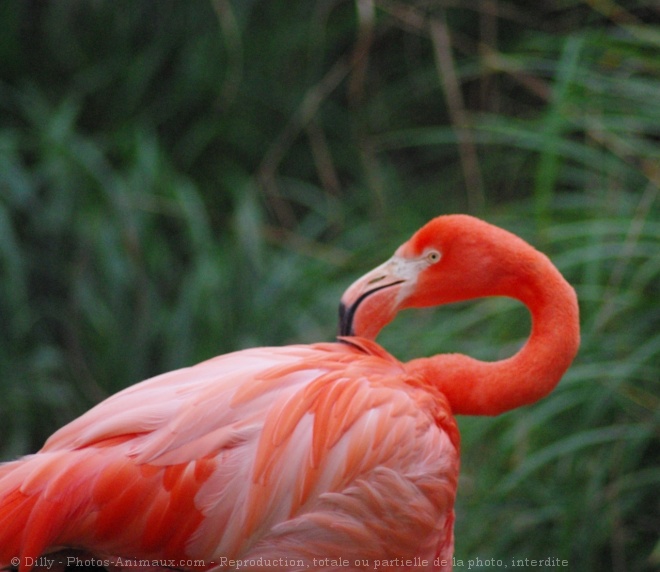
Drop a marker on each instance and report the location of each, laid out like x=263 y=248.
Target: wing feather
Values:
x=252 y=451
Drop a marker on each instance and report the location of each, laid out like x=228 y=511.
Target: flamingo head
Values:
x=450 y=259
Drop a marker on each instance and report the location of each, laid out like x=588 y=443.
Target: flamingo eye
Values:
x=432 y=256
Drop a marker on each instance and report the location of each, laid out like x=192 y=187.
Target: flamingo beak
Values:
x=372 y=301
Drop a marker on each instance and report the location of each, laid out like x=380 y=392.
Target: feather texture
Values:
x=272 y=452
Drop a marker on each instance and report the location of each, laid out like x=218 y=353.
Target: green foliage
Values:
x=183 y=179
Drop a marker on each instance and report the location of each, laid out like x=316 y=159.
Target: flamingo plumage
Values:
x=330 y=456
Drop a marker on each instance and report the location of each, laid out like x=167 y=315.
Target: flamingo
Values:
x=329 y=456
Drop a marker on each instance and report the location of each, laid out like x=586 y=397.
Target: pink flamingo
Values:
x=330 y=456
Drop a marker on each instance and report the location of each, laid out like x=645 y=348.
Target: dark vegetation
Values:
x=180 y=179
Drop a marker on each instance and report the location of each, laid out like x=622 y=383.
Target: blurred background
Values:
x=180 y=179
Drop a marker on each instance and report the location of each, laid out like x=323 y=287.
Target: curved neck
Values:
x=474 y=387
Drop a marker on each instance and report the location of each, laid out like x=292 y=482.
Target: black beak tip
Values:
x=347 y=313
x=345 y=320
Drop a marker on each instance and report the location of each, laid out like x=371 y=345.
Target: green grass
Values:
x=183 y=179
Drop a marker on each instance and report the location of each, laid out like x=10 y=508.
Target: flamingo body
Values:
x=291 y=453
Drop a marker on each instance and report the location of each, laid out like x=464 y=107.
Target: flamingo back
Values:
x=301 y=453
